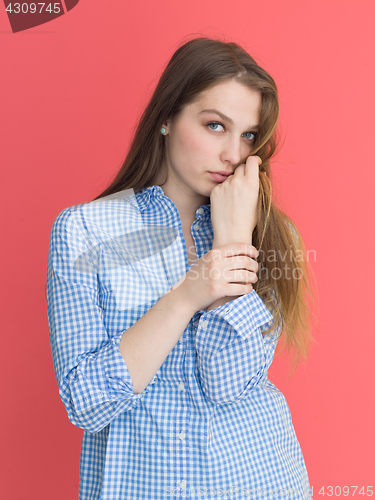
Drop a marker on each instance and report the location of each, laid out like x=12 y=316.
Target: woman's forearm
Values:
x=220 y=302
x=146 y=344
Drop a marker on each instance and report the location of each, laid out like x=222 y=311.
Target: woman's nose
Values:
x=232 y=151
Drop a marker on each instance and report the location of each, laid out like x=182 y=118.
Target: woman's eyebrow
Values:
x=224 y=117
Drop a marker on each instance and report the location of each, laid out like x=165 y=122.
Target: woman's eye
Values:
x=214 y=125
x=250 y=135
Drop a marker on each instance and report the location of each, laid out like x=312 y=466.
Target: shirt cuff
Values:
x=245 y=314
x=103 y=377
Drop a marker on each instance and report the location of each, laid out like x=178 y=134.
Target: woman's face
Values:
x=214 y=133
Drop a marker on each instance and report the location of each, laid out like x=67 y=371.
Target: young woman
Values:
x=161 y=331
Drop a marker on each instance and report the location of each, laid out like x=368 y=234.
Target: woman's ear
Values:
x=166 y=126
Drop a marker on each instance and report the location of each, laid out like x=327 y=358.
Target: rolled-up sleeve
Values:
x=93 y=379
x=232 y=353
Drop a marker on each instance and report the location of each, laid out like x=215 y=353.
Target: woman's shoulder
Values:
x=108 y=215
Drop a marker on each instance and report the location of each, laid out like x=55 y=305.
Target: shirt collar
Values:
x=147 y=195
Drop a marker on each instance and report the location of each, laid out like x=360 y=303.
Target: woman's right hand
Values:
x=224 y=271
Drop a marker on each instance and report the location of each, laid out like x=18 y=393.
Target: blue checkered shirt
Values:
x=210 y=423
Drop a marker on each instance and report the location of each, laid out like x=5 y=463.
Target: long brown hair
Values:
x=194 y=67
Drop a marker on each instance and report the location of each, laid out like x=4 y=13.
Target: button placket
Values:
x=204 y=324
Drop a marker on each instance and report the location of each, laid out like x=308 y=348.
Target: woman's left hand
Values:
x=234 y=204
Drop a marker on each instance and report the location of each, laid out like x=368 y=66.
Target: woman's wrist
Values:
x=222 y=301
x=219 y=242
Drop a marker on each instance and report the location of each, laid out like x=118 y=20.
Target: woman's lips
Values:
x=218 y=177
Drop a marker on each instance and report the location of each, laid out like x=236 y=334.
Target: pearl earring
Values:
x=162 y=130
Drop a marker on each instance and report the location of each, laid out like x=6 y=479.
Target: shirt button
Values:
x=204 y=324
x=182 y=435
x=197 y=228
x=200 y=211
x=183 y=484
x=181 y=386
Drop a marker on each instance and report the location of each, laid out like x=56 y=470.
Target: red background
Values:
x=70 y=94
